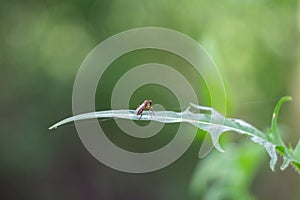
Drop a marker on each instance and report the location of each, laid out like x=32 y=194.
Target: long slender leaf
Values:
x=212 y=122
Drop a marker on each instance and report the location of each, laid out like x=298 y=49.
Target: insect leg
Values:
x=151 y=109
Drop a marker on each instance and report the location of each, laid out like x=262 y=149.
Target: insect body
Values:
x=146 y=105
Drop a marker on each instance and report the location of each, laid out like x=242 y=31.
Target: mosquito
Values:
x=146 y=105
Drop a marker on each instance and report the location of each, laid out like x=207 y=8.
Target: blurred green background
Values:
x=254 y=43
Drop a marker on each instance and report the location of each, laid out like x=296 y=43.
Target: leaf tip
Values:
x=52 y=127
x=285 y=99
x=218 y=147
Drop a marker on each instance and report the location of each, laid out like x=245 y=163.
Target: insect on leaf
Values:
x=215 y=124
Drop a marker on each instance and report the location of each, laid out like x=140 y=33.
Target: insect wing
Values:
x=140 y=109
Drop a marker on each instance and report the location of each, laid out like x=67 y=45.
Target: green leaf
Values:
x=215 y=124
x=275 y=138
